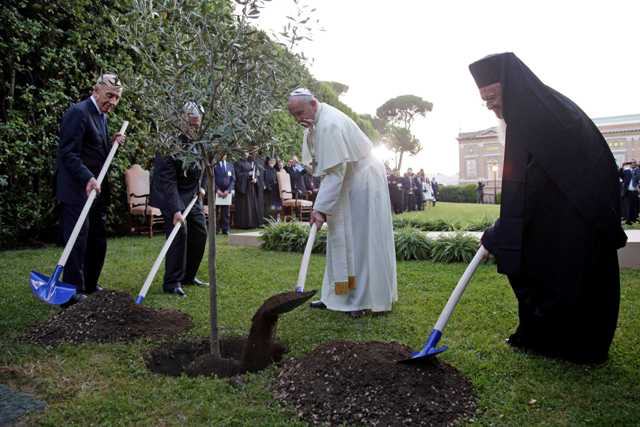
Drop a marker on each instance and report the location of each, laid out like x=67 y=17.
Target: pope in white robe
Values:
x=354 y=201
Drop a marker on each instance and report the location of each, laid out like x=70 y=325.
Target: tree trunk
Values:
x=400 y=160
x=213 y=284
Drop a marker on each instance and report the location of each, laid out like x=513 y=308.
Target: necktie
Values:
x=103 y=124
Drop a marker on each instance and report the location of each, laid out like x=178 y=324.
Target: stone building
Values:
x=481 y=153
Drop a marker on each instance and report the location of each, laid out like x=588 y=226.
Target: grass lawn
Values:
x=101 y=384
x=455 y=212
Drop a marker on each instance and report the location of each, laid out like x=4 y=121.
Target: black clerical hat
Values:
x=487 y=70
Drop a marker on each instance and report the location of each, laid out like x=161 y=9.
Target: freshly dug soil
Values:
x=361 y=383
x=107 y=317
x=239 y=355
x=193 y=358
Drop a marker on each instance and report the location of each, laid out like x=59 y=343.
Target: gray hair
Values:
x=193 y=109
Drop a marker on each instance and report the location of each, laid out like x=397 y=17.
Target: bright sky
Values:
x=588 y=50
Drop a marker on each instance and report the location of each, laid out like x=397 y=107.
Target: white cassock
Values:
x=360 y=271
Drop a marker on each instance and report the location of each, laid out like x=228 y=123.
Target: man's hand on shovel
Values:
x=317 y=218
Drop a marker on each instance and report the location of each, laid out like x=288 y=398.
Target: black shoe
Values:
x=318 y=304
x=197 y=282
x=76 y=298
x=226 y=233
x=356 y=314
x=175 y=291
x=99 y=288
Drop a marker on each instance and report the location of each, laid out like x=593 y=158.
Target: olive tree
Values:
x=205 y=52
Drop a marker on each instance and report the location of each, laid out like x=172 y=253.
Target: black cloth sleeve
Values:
x=165 y=193
x=71 y=136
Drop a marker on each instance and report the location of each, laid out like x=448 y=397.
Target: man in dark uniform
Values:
x=82 y=150
x=174 y=185
x=559 y=227
x=225 y=183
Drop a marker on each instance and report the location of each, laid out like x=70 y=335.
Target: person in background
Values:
x=435 y=188
x=271 y=196
x=247 y=209
x=225 y=177
x=480 y=192
x=630 y=175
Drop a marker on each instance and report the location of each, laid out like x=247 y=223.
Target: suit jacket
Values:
x=298 y=186
x=225 y=176
x=173 y=185
x=410 y=183
x=82 y=150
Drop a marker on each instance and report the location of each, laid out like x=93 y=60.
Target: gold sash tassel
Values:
x=342 y=288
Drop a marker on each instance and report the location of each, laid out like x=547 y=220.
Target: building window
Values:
x=472 y=168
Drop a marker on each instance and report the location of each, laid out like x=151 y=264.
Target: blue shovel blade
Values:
x=428 y=351
x=50 y=290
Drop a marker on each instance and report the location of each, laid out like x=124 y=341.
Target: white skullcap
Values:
x=193 y=109
x=109 y=79
x=301 y=91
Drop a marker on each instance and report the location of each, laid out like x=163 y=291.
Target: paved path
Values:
x=629 y=256
x=14 y=405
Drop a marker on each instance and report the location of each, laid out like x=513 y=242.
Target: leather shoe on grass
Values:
x=175 y=291
x=76 y=298
x=318 y=304
x=197 y=282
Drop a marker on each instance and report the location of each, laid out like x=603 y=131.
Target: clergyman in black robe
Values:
x=559 y=227
x=246 y=201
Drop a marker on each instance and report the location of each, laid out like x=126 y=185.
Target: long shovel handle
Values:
x=162 y=254
x=459 y=289
x=304 y=265
x=87 y=205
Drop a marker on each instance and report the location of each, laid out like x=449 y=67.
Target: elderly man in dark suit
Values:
x=173 y=186
x=225 y=183
x=82 y=151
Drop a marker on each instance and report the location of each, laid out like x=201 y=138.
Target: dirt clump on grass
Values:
x=107 y=317
x=351 y=383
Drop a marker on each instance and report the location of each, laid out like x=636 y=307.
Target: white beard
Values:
x=502 y=131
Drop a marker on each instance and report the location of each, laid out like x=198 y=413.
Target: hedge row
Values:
x=50 y=54
x=410 y=243
x=441 y=225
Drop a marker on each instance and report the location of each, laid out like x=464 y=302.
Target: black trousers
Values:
x=185 y=253
x=222 y=216
x=86 y=260
x=631 y=203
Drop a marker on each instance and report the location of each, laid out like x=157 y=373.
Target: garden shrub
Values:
x=457 y=193
x=456 y=248
x=412 y=244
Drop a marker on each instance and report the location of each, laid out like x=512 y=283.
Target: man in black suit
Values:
x=410 y=188
x=630 y=175
x=82 y=150
x=296 y=171
x=173 y=187
x=225 y=183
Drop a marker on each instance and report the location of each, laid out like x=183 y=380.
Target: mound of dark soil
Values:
x=361 y=383
x=106 y=317
x=193 y=358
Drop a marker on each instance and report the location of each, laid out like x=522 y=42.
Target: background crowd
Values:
x=412 y=191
